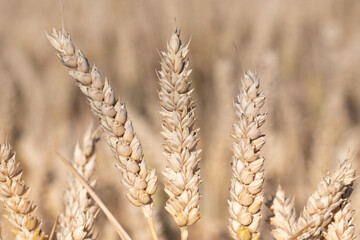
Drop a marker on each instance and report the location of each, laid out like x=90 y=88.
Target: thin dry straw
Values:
x=180 y=136
x=14 y=194
x=52 y=234
x=119 y=132
x=119 y=229
x=246 y=194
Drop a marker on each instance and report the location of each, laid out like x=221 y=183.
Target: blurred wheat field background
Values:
x=306 y=52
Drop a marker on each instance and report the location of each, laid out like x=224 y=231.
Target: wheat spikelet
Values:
x=284 y=219
x=115 y=122
x=342 y=227
x=246 y=194
x=330 y=194
x=180 y=138
x=14 y=194
x=80 y=211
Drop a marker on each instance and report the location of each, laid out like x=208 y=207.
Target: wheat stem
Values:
x=148 y=214
x=119 y=229
x=53 y=229
x=184 y=233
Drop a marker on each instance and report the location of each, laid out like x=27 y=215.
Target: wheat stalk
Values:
x=342 y=227
x=80 y=211
x=321 y=205
x=8 y=102
x=246 y=194
x=14 y=194
x=118 y=128
x=284 y=219
x=179 y=135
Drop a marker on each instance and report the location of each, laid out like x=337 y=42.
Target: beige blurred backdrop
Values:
x=306 y=52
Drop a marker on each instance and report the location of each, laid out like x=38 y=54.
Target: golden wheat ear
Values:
x=180 y=136
x=246 y=194
x=140 y=183
x=331 y=192
x=14 y=194
x=284 y=217
x=119 y=229
x=77 y=221
x=342 y=226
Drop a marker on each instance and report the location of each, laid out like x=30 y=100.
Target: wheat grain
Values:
x=120 y=134
x=342 y=227
x=246 y=194
x=330 y=194
x=180 y=138
x=80 y=211
x=284 y=219
x=14 y=194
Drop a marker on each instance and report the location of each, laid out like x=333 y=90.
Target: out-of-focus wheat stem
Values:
x=246 y=194
x=14 y=195
x=78 y=220
x=179 y=134
x=321 y=205
x=119 y=229
x=119 y=131
x=284 y=219
x=52 y=233
x=8 y=102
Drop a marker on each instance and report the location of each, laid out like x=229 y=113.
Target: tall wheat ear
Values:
x=246 y=194
x=284 y=219
x=77 y=222
x=179 y=135
x=331 y=193
x=14 y=194
x=119 y=131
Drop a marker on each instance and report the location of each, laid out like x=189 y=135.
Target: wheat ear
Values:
x=118 y=128
x=119 y=229
x=78 y=220
x=321 y=205
x=246 y=194
x=284 y=219
x=342 y=227
x=14 y=194
x=179 y=134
